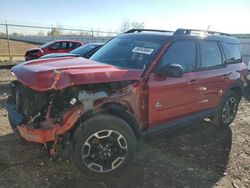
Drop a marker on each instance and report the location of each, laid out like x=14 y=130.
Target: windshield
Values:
x=46 y=44
x=128 y=52
x=83 y=50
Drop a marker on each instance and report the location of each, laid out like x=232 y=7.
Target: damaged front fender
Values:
x=43 y=136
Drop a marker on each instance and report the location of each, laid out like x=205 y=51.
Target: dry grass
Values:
x=17 y=49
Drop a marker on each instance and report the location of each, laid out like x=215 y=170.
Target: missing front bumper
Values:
x=39 y=135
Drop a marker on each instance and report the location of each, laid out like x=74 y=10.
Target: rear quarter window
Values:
x=232 y=52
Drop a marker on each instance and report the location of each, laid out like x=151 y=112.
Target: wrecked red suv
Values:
x=140 y=83
x=58 y=46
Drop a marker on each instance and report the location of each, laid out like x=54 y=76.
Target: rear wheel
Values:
x=104 y=145
x=227 y=110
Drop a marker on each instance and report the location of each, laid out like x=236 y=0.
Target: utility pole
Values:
x=8 y=39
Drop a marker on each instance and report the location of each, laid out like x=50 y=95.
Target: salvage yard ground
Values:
x=199 y=155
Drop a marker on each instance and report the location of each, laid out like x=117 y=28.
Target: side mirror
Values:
x=171 y=70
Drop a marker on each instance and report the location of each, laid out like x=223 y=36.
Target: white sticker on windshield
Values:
x=143 y=50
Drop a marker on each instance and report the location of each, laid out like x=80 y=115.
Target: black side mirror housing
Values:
x=171 y=70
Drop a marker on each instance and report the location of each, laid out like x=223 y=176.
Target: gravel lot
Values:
x=198 y=155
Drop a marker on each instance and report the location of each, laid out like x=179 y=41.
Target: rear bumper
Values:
x=39 y=135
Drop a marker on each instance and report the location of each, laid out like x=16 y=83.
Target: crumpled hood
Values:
x=56 y=74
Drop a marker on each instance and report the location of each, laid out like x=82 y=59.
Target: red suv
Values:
x=59 y=46
x=140 y=83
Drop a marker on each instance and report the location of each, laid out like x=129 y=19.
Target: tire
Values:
x=103 y=146
x=227 y=110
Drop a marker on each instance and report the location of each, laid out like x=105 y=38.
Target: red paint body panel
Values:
x=67 y=71
x=194 y=92
x=176 y=97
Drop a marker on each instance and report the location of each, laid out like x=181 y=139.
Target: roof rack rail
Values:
x=189 y=31
x=141 y=30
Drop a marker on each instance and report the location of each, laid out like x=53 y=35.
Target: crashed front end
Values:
x=49 y=98
x=41 y=116
x=50 y=117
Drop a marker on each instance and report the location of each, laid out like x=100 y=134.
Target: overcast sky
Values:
x=232 y=16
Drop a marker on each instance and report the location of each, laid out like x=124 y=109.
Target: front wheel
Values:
x=227 y=110
x=104 y=144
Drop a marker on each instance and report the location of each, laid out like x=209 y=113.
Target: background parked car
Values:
x=85 y=51
x=61 y=46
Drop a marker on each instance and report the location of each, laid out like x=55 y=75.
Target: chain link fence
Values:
x=16 y=39
x=245 y=48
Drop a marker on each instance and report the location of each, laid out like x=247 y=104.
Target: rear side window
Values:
x=232 y=52
x=64 y=45
x=181 y=52
x=70 y=45
x=210 y=54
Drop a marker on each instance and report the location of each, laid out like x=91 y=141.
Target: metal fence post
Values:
x=8 y=39
x=92 y=34
x=52 y=32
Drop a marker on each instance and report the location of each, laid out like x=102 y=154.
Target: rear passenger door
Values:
x=212 y=73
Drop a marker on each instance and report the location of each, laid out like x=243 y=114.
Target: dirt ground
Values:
x=198 y=155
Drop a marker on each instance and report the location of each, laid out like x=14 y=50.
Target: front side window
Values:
x=55 y=46
x=181 y=52
x=46 y=45
x=210 y=54
x=128 y=52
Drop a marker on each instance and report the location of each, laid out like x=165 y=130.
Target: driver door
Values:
x=172 y=98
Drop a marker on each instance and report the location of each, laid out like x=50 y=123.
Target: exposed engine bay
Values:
x=43 y=109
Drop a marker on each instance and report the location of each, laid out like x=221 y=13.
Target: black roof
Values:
x=180 y=34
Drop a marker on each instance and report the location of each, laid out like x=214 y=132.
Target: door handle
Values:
x=193 y=82
x=225 y=76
